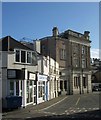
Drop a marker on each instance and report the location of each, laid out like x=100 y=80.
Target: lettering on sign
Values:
x=42 y=77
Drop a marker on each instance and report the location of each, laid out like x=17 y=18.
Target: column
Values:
x=24 y=90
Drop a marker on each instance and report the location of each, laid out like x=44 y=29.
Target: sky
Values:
x=35 y=20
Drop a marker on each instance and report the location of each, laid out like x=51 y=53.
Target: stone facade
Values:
x=72 y=51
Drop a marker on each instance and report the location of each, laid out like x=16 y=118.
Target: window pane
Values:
x=17 y=87
x=11 y=88
x=34 y=59
x=23 y=56
x=28 y=57
x=17 y=56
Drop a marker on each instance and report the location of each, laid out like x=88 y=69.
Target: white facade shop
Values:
x=42 y=88
x=22 y=87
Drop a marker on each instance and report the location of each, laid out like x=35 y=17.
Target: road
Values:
x=72 y=107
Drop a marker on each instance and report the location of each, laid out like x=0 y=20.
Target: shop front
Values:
x=22 y=83
x=42 y=88
x=31 y=89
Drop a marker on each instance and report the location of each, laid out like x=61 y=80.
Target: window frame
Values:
x=26 y=56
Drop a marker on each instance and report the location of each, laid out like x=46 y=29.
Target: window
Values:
x=46 y=62
x=34 y=58
x=83 y=63
x=41 y=88
x=15 y=88
x=84 y=82
x=11 y=87
x=75 y=62
x=17 y=56
x=63 y=54
x=28 y=57
x=83 y=49
x=23 y=56
x=76 y=82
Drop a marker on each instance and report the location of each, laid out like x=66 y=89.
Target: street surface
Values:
x=85 y=106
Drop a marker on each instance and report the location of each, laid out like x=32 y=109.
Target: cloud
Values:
x=95 y=53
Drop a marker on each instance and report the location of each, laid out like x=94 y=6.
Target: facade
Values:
x=52 y=70
x=19 y=68
x=26 y=73
x=72 y=51
x=96 y=73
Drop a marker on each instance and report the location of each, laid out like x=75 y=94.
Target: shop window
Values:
x=11 y=88
x=17 y=88
x=29 y=91
x=41 y=87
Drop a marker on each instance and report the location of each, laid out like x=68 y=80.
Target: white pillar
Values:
x=24 y=90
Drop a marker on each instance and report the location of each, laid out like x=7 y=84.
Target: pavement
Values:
x=35 y=108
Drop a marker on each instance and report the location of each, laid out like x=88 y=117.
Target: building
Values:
x=26 y=73
x=96 y=73
x=19 y=66
x=72 y=51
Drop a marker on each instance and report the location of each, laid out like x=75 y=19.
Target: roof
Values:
x=9 y=43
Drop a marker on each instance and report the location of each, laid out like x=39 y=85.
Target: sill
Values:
x=23 y=63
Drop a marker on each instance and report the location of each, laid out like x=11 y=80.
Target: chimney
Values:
x=55 y=31
x=86 y=34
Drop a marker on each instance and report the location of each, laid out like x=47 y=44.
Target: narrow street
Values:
x=72 y=107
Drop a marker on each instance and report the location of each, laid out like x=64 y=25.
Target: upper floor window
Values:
x=28 y=57
x=24 y=56
x=17 y=56
x=83 y=49
x=83 y=63
x=76 y=62
x=63 y=54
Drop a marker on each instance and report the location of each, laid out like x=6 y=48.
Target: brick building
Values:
x=72 y=51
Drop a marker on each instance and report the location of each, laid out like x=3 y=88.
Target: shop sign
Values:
x=31 y=76
x=42 y=77
x=11 y=74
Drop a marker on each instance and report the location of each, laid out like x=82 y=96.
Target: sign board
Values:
x=32 y=76
x=42 y=78
x=11 y=74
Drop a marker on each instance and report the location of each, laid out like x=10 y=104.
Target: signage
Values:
x=42 y=78
x=11 y=74
x=31 y=76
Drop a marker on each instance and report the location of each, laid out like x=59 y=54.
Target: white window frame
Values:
x=26 y=61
